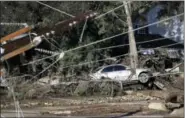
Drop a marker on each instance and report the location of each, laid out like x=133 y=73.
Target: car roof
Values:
x=102 y=67
x=113 y=65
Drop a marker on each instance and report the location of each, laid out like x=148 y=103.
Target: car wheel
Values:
x=103 y=78
x=144 y=77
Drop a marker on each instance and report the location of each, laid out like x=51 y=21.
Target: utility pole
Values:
x=132 y=43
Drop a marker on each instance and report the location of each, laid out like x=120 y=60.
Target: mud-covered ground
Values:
x=132 y=104
x=155 y=103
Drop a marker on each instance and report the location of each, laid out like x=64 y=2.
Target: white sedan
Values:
x=121 y=73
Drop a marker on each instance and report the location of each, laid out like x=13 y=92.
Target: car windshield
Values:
x=108 y=69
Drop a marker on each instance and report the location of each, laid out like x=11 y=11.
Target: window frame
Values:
x=119 y=66
x=106 y=68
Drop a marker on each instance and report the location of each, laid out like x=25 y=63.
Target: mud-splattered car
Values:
x=122 y=73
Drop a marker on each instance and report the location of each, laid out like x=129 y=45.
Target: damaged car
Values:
x=121 y=73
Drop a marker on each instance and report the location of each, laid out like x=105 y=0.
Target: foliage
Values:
x=109 y=25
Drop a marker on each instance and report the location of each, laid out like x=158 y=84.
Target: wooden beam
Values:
x=14 y=45
x=14 y=34
x=16 y=52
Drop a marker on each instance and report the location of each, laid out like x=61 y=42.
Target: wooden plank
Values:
x=14 y=34
x=14 y=45
x=16 y=52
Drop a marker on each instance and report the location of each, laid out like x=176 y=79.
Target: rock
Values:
x=30 y=93
x=180 y=99
x=139 y=94
x=43 y=81
x=182 y=76
x=81 y=88
x=157 y=106
x=169 y=96
x=173 y=105
x=128 y=92
x=64 y=112
x=148 y=98
x=25 y=105
x=33 y=103
x=48 y=104
x=159 y=94
x=177 y=113
x=178 y=83
x=175 y=98
x=59 y=112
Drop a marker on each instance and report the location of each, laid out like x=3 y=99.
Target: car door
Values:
x=108 y=72
x=122 y=72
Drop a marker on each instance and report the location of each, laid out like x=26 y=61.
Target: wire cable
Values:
x=57 y=44
x=55 y=9
x=41 y=59
x=81 y=36
x=99 y=60
x=110 y=47
x=15 y=77
x=46 y=68
x=108 y=38
x=117 y=56
x=11 y=89
x=15 y=24
x=52 y=44
x=110 y=11
x=141 y=42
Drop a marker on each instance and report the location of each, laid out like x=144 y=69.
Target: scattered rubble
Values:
x=169 y=102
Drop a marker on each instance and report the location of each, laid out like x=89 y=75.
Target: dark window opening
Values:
x=108 y=69
x=119 y=68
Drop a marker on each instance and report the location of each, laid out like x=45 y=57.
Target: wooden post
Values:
x=132 y=43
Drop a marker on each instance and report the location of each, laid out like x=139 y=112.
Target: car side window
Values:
x=107 y=69
x=119 y=68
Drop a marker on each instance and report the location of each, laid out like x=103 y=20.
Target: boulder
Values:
x=157 y=106
x=169 y=96
x=82 y=88
x=170 y=105
x=177 y=113
x=31 y=93
x=129 y=92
